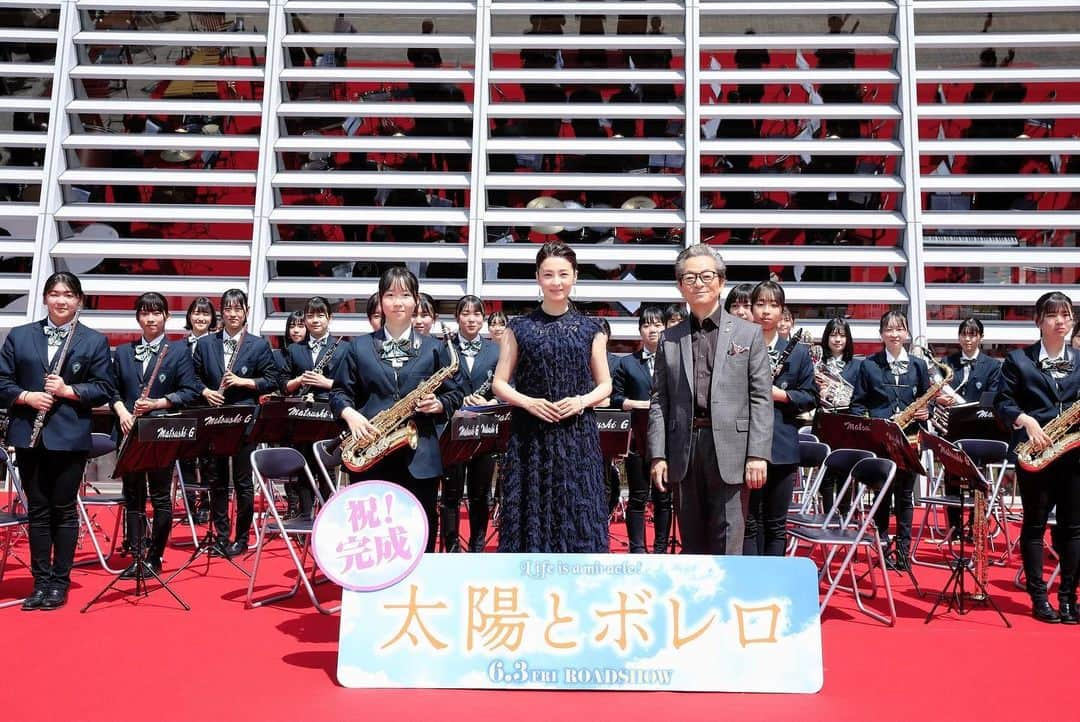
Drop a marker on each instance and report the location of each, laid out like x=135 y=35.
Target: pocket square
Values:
x=735 y=349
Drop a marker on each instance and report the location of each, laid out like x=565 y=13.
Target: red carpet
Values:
x=148 y=659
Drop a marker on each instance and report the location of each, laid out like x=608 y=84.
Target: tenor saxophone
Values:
x=394 y=426
x=1061 y=441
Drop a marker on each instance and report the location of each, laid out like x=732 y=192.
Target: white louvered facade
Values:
x=899 y=213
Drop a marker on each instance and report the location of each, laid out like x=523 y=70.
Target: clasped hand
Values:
x=554 y=411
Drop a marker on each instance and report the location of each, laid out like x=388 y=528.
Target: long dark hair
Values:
x=839 y=324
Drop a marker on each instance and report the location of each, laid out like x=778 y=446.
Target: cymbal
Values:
x=545 y=202
x=177 y=156
x=574 y=206
x=638 y=202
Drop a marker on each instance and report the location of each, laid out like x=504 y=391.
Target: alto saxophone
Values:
x=1061 y=441
x=904 y=418
x=394 y=426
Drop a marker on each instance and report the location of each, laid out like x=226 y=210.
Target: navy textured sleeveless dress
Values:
x=553 y=492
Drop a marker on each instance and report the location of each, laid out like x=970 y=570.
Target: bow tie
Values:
x=145 y=350
x=316 y=344
x=1056 y=365
x=230 y=345
x=899 y=368
x=774 y=356
x=836 y=363
x=470 y=348
x=647 y=355
x=192 y=340
x=55 y=335
x=964 y=361
x=395 y=348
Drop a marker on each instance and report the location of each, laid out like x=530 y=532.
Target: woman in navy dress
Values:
x=553 y=490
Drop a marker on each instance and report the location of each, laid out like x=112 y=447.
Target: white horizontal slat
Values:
x=794 y=42
x=997 y=332
x=814 y=75
x=784 y=146
x=650 y=7
x=177 y=213
x=1009 y=220
x=190 y=106
x=387 y=74
x=999 y=75
x=168 y=72
x=1005 y=146
x=368 y=179
x=875 y=256
x=375 y=110
x=12 y=174
x=1001 y=40
x=161 y=177
x=400 y=216
x=373 y=143
x=586 y=181
x=586 y=291
x=167 y=285
x=22 y=140
x=929 y=7
x=344 y=325
x=1026 y=182
x=354 y=288
x=15 y=285
x=221 y=250
x=441 y=252
x=796 y=8
x=9 y=247
x=163 y=141
x=113 y=322
x=979 y=294
x=376 y=41
x=606 y=76
x=586 y=253
x=379 y=7
x=800 y=110
x=27 y=35
x=1000 y=110
x=239 y=7
x=600 y=42
x=26 y=70
x=801 y=182
x=585 y=146
x=24 y=104
x=585 y=110
x=640 y=218
x=801 y=219
x=18 y=210
x=170 y=39
x=1021 y=256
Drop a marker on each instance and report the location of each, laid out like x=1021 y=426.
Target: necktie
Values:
x=144 y=351
x=55 y=335
x=470 y=348
x=1056 y=366
x=899 y=368
x=230 y=346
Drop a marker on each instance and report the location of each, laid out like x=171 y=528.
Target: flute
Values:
x=58 y=365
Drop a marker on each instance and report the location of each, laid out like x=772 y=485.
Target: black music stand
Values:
x=968 y=478
x=615 y=431
x=220 y=430
x=473 y=431
x=153 y=444
x=293 y=421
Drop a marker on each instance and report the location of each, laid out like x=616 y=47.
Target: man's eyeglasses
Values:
x=706 y=277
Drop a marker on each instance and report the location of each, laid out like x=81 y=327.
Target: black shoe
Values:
x=898 y=561
x=202 y=516
x=34 y=601
x=154 y=563
x=131 y=572
x=1041 y=610
x=1067 y=610
x=218 y=548
x=235 y=549
x=54 y=599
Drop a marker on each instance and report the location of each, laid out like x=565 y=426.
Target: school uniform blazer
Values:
x=254 y=362
x=483 y=369
x=878 y=395
x=631 y=380
x=1027 y=389
x=363 y=381
x=298 y=360
x=797 y=379
x=24 y=363
x=985 y=376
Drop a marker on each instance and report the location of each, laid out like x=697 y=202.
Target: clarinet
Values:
x=57 y=366
x=145 y=394
x=232 y=360
x=305 y=390
x=794 y=341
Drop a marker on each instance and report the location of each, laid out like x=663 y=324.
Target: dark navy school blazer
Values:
x=298 y=360
x=483 y=369
x=363 y=381
x=631 y=380
x=985 y=375
x=878 y=395
x=24 y=363
x=1025 y=388
x=175 y=381
x=797 y=379
x=255 y=361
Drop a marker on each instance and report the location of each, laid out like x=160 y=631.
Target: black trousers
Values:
x=475 y=476
x=641 y=490
x=1057 y=485
x=217 y=469
x=766 y=519
x=395 y=468
x=900 y=498
x=711 y=512
x=51 y=481
x=194 y=471
x=304 y=493
x=159 y=483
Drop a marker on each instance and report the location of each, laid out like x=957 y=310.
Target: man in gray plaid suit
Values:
x=710 y=415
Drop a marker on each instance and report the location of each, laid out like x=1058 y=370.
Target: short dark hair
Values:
x=649 y=314
x=399 y=275
x=317 y=304
x=839 y=324
x=68 y=279
x=204 y=304
x=971 y=325
x=742 y=293
x=890 y=316
x=674 y=309
x=234 y=297
x=469 y=302
x=373 y=306
x=427 y=304
x=770 y=289
x=556 y=249
x=1052 y=302
x=150 y=302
